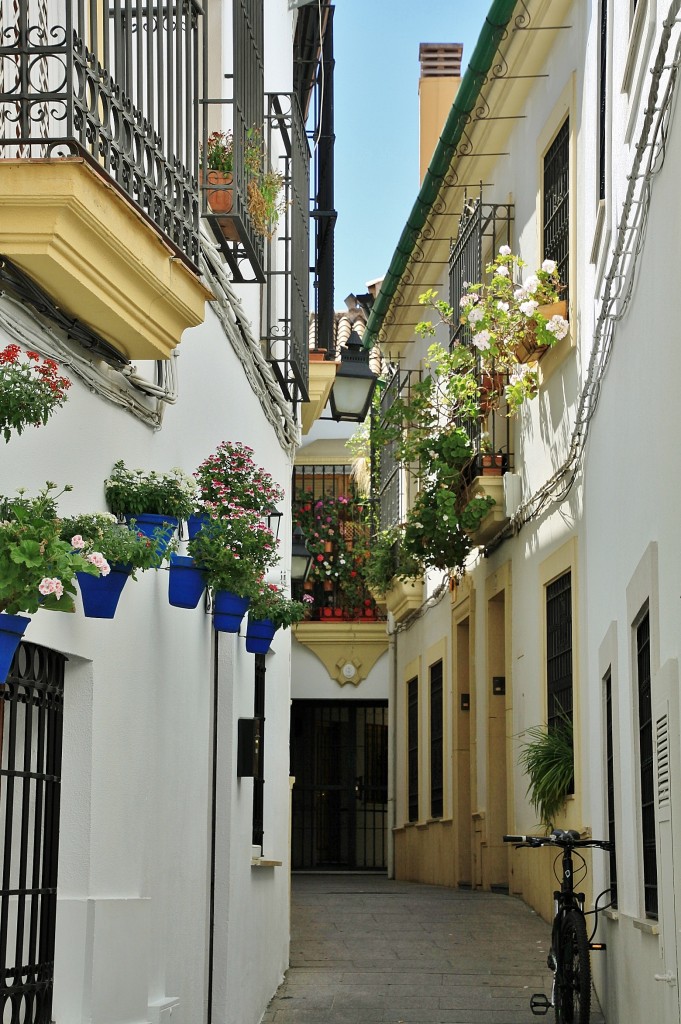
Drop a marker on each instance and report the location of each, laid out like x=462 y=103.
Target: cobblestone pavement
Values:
x=367 y=950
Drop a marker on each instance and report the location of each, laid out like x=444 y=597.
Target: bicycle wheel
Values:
x=573 y=972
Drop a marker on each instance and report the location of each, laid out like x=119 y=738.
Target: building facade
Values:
x=561 y=143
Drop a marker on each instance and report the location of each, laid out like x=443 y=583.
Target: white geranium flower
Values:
x=475 y=315
x=559 y=326
x=481 y=340
x=519 y=294
x=532 y=284
x=528 y=308
x=502 y=271
x=505 y=250
x=549 y=266
x=503 y=307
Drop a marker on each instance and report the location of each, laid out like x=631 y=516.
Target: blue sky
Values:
x=376 y=44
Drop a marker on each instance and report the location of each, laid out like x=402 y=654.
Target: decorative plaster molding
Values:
x=344 y=646
x=322 y=376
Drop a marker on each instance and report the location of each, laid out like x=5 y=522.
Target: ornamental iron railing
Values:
x=288 y=271
x=557 y=203
x=31 y=712
x=116 y=84
x=390 y=482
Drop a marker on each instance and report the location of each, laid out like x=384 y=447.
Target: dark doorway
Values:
x=339 y=757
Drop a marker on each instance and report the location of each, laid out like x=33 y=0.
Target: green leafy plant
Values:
x=271 y=603
x=547 y=758
x=220 y=152
x=389 y=561
x=100 y=531
x=266 y=203
x=234 y=552
x=38 y=567
x=137 y=492
x=31 y=389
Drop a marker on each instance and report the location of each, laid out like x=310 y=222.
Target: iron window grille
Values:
x=610 y=786
x=31 y=715
x=646 y=766
x=413 y=749
x=603 y=100
x=117 y=85
x=288 y=274
x=556 y=235
x=390 y=483
x=559 y=649
x=436 y=741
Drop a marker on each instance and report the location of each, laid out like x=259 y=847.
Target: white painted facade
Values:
x=145 y=691
x=614 y=528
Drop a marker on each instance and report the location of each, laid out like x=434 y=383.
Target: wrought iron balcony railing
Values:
x=115 y=83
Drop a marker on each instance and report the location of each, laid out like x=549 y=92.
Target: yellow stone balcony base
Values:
x=496 y=518
x=79 y=238
x=404 y=597
x=322 y=376
x=348 y=650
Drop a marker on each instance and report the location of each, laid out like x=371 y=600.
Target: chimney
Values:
x=438 y=85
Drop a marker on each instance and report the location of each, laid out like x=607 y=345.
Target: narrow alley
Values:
x=367 y=950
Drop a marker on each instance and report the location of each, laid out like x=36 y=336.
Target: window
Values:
x=259 y=779
x=610 y=785
x=436 y=741
x=646 y=765
x=556 y=201
x=559 y=651
x=413 y=748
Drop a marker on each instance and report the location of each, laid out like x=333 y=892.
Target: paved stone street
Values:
x=366 y=950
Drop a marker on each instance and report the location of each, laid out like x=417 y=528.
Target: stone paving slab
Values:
x=368 y=950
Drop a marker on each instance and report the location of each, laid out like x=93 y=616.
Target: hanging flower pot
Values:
x=220 y=196
x=147 y=524
x=100 y=594
x=186 y=582
x=195 y=524
x=229 y=610
x=12 y=628
x=492 y=464
x=259 y=635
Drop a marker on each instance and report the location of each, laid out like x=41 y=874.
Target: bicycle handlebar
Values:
x=559 y=837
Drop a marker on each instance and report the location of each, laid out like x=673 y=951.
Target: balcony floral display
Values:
x=234 y=546
x=37 y=567
x=269 y=611
x=124 y=550
x=264 y=187
x=31 y=388
x=337 y=531
x=150 y=501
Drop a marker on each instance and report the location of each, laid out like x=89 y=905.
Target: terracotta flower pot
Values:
x=221 y=200
x=527 y=350
x=492 y=465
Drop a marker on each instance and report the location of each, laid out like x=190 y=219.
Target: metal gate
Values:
x=31 y=711
x=339 y=757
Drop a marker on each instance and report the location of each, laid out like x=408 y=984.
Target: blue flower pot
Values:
x=12 y=628
x=186 y=583
x=148 y=524
x=195 y=524
x=100 y=594
x=259 y=635
x=228 y=611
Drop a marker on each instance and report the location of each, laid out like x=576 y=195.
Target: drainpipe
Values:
x=392 y=746
x=497 y=20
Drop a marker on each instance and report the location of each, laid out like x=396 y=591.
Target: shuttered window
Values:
x=436 y=741
x=413 y=748
x=646 y=766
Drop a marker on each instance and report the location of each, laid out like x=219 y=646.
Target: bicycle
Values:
x=569 y=953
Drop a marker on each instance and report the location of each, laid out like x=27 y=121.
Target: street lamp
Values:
x=301 y=559
x=274 y=517
x=353 y=388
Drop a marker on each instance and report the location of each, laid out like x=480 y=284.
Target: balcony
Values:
x=98 y=165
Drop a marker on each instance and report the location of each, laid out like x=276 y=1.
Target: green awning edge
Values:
x=496 y=22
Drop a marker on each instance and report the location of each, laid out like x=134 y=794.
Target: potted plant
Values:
x=37 y=567
x=150 y=501
x=389 y=561
x=547 y=757
x=229 y=479
x=126 y=552
x=269 y=610
x=31 y=389
x=234 y=553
